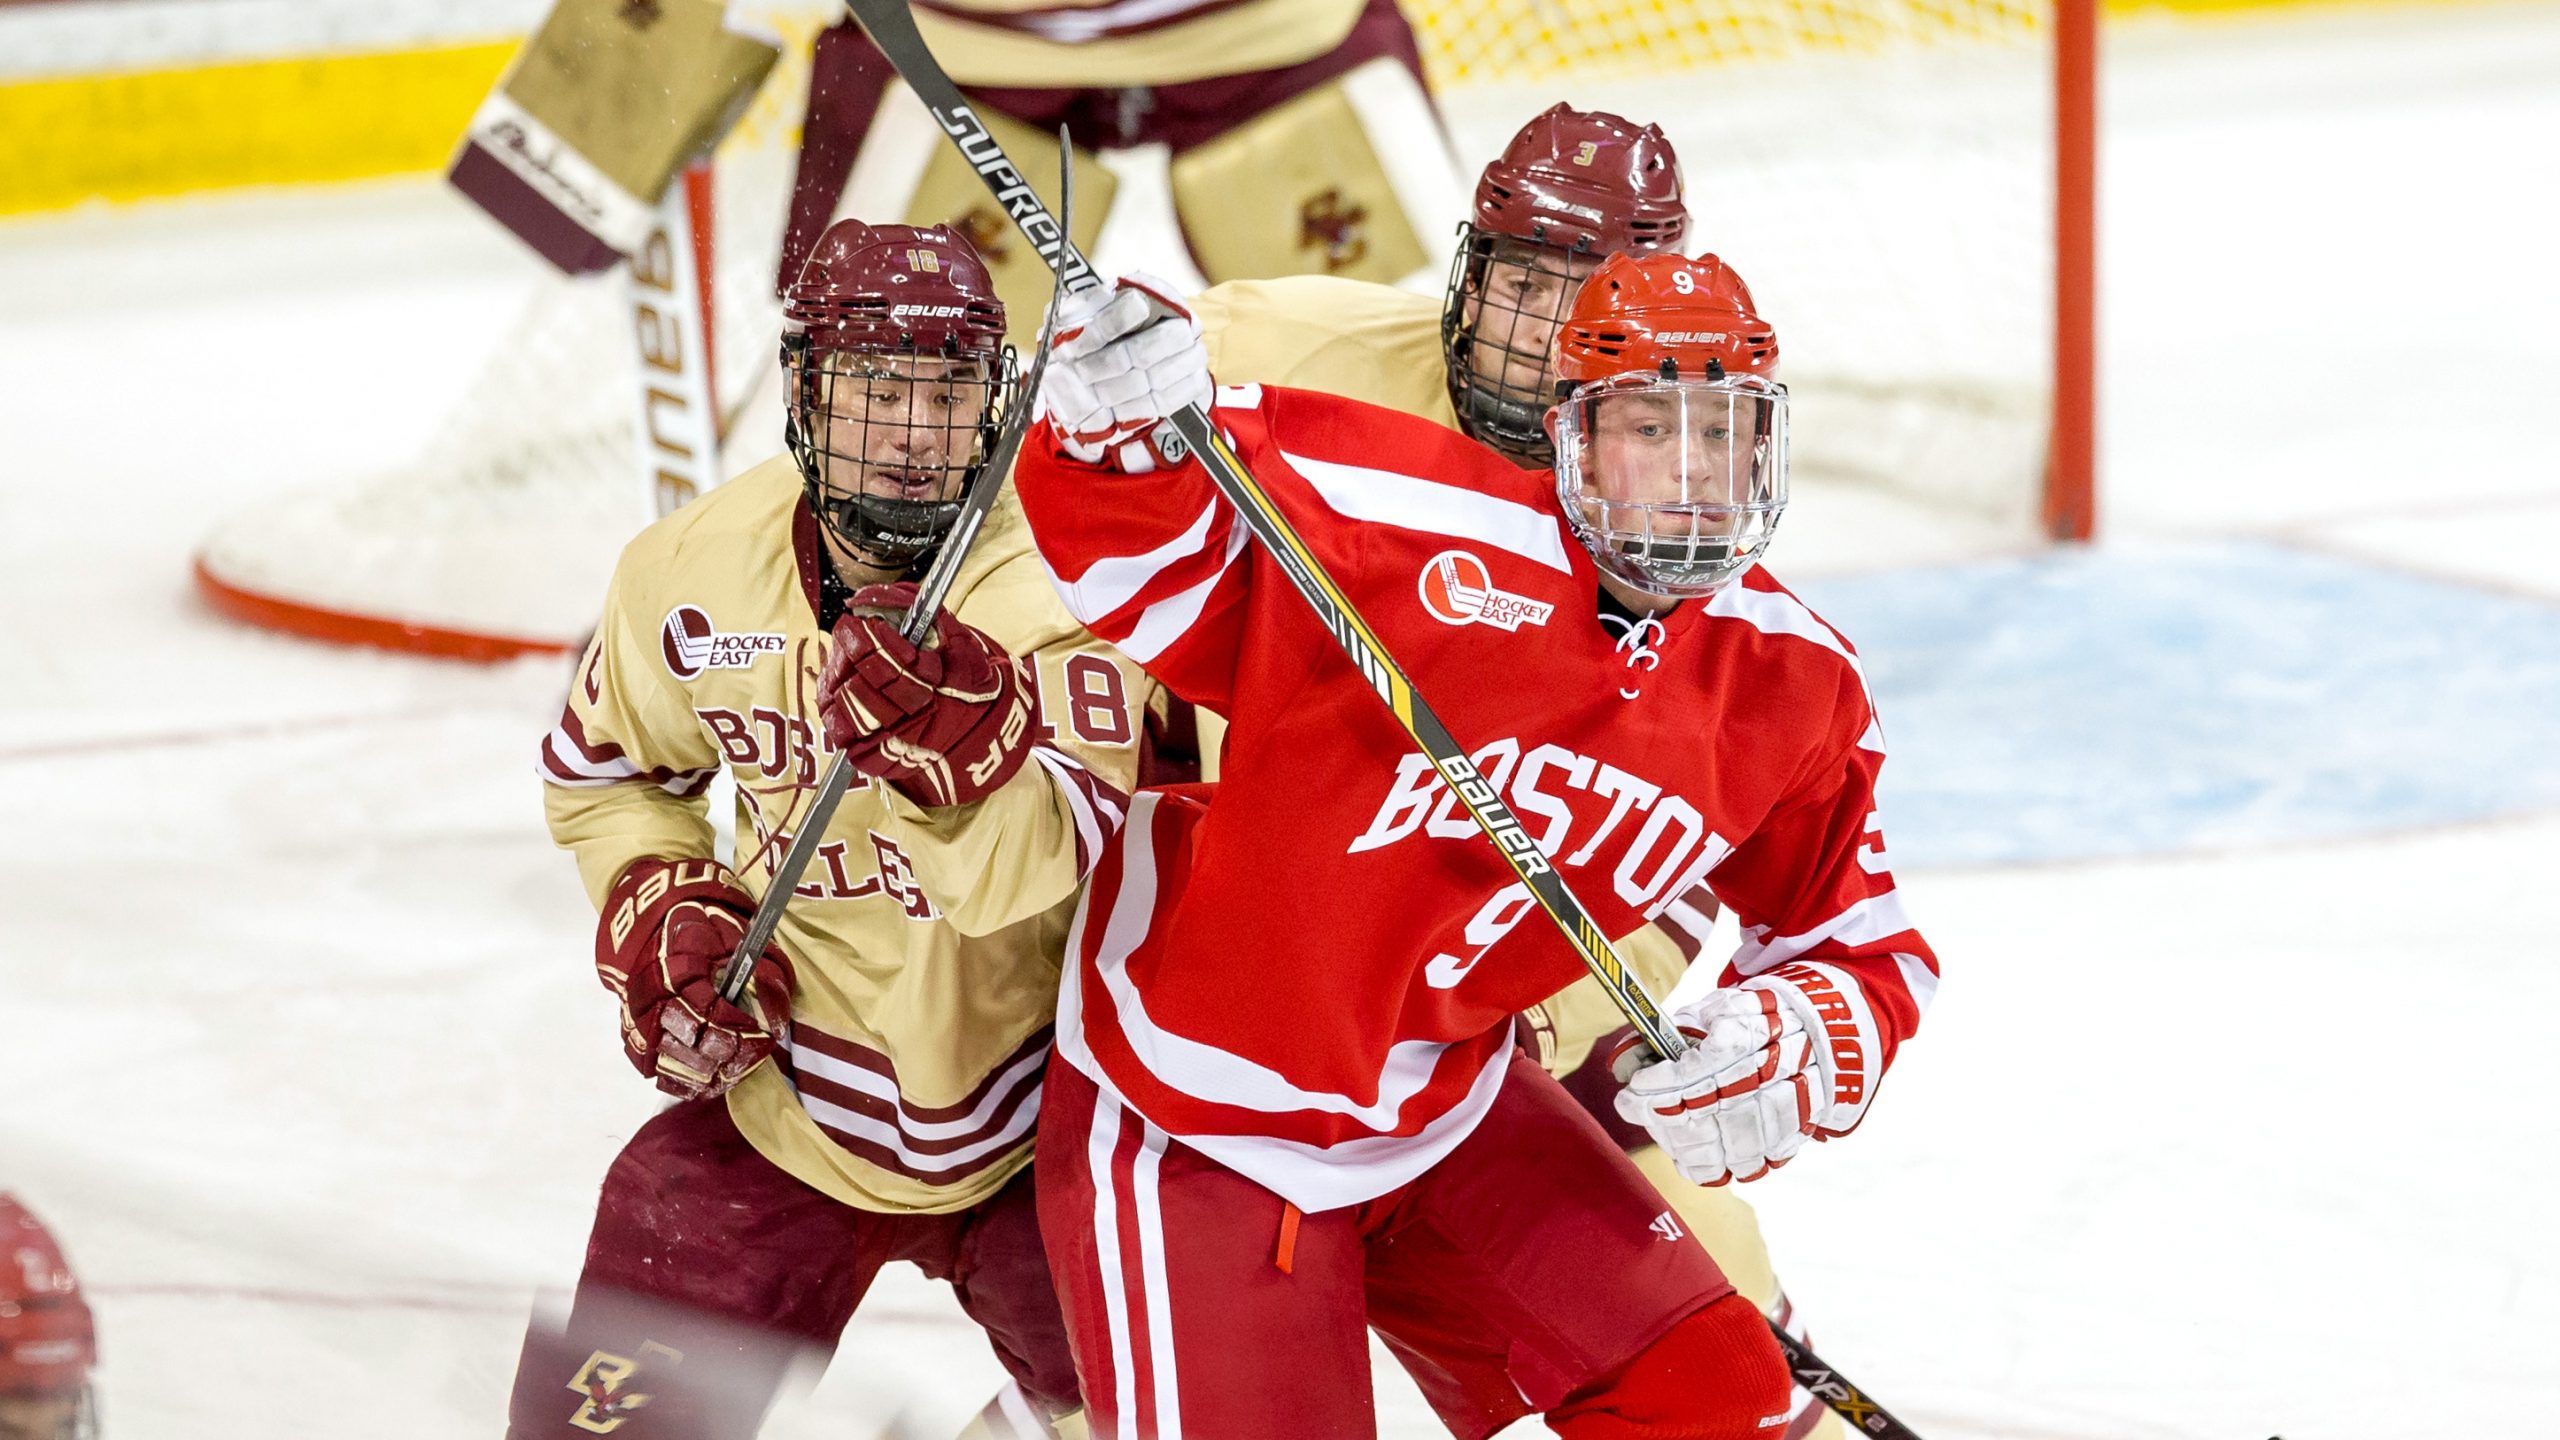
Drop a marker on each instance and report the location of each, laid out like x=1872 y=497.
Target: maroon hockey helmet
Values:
x=899 y=375
x=1573 y=187
x=48 y=1341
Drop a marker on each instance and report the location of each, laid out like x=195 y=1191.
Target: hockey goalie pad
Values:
x=1343 y=179
x=596 y=115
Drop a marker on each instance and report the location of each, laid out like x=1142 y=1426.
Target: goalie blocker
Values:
x=559 y=154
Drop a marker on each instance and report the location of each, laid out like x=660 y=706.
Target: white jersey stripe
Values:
x=1115 y=580
x=1000 y=1093
x=1161 y=1350
x=1317 y=1178
x=570 y=766
x=1917 y=978
x=863 y=1127
x=1774 y=612
x=1359 y=492
x=1100 y=1144
x=1204 y=1070
x=1170 y=618
x=1090 y=829
x=1868 y=921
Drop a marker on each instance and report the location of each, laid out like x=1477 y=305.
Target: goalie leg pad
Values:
x=1336 y=165
x=1345 y=178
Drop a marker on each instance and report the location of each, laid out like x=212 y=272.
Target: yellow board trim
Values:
x=153 y=133
x=147 y=134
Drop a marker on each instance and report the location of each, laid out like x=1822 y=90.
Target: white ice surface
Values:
x=303 y=1058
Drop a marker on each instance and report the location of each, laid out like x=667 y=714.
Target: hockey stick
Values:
x=893 y=30
x=912 y=627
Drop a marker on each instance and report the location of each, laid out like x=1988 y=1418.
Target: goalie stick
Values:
x=913 y=626
x=893 y=29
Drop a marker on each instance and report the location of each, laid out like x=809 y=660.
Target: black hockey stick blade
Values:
x=1851 y=1404
x=930 y=592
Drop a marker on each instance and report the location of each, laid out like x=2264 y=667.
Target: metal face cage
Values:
x=1507 y=298
x=887 y=441
x=1675 y=486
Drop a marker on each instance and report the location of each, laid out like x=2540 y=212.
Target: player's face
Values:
x=36 y=1417
x=1675 y=486
x=901 y=427
x=1514 y=312
x=1678 y=448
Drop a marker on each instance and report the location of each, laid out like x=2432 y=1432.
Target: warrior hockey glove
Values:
x=1125 y=359
x=667 y=929
x=1779 y=1059
x=945 y=724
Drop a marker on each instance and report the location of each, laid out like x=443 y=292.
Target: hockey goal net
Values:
x=1883 y=171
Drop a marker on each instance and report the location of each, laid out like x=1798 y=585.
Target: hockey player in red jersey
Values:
x=1569 y=189
x=1285 y=1095
x=48 y=1343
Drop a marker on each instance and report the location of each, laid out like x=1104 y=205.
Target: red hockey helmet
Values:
x=893 y=344
x=1641 y=314
x=48 y=1342
x=1572 y=187
x=1671 y=439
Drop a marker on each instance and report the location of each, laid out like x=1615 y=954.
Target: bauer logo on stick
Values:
x=691 y=646
x=1458 y=590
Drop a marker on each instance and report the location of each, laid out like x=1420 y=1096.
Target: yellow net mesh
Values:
x=1468 y=42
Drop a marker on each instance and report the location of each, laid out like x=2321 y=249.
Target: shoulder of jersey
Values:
x=1301 y=328
x=1339 y=430
x=1798 y=638
x=1003 y=588
x=748 y=517
x=1318 y=304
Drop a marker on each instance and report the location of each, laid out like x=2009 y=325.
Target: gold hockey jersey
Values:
x=1381 y=344
x=1106 y=43
x=925 y=944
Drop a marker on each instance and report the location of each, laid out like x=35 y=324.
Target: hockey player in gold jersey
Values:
x=874 y=1097
x=1571 y=188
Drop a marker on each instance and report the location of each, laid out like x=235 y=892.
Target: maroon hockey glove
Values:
x=667 y=929
x=945 y=724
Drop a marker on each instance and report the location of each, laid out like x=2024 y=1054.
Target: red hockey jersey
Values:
x=1308 y=972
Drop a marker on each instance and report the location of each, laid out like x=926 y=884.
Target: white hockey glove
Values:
x=1779 y=1059
x=1125 y=359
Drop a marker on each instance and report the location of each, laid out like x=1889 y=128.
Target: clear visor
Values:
x=887 y=442
x=1675 y=486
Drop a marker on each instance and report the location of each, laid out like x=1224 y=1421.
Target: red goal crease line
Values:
x=346 y=627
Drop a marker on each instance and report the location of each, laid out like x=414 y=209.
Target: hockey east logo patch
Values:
x=1457 y=589
x=690 y=645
